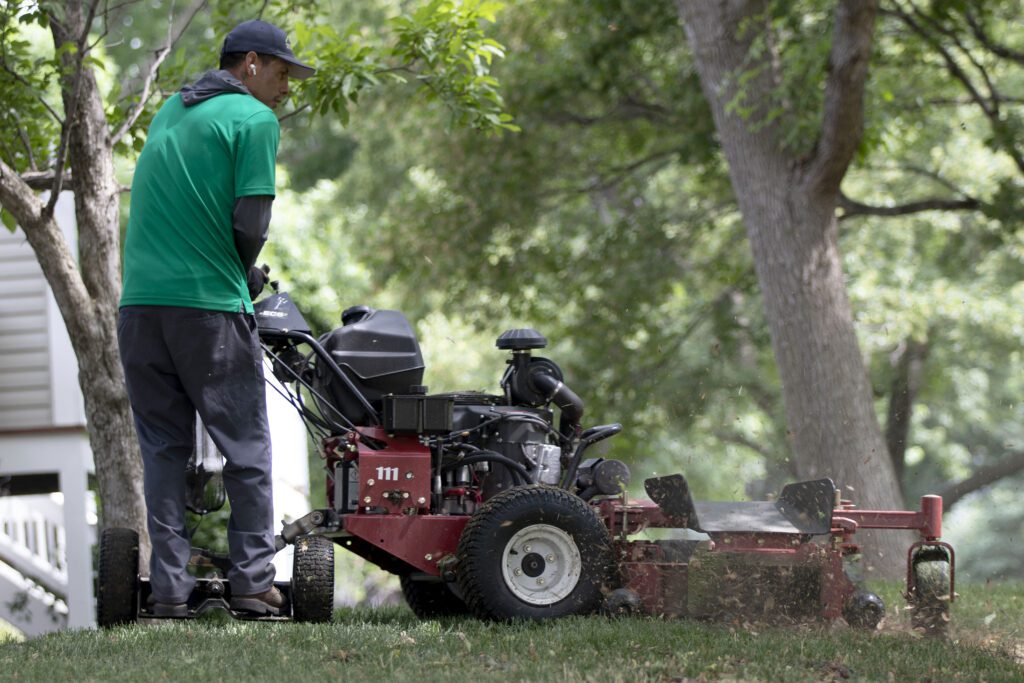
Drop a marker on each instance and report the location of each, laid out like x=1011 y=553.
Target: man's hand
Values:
x=257 y=279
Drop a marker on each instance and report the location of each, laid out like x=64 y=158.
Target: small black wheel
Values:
x=930 y=598
x=313 y=580
x=864 y=610
x=117 y=599
x=533 y=552
x=623 y=602
x=430 y=599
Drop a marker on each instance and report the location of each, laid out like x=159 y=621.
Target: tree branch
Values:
x=989 y=106
x=843 y=114
x=952 y=67
x=994 y=96
x=613 y=176
x=907 y=360
x=730 y=436
x=933 y=176
x=914 y=169
x=43 y=180
x=626 y=110
x=984 y=476
x=158 y=59
x=952 y=102
x=282 y=119
x=853 y=208
x=995 y=48
x=25 y=142
x=71 y=109
x=113 y=8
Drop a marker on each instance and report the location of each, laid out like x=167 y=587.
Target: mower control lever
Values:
x=587 y=439
x=599 y=433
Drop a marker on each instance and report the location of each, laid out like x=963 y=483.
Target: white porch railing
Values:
x=33 y=563
x=46 y=573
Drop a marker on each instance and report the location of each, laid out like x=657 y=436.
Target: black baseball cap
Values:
x=265 y=39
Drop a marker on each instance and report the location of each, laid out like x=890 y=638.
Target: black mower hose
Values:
x=557 y=392
x=491 y=456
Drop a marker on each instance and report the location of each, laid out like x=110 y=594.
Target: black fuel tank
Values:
x=378 y=351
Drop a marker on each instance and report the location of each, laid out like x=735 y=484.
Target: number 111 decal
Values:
x=387 y=473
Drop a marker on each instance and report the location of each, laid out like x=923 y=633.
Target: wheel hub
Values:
x=533 y=565
x=541 y=564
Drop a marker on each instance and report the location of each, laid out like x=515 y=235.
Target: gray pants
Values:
x=179 y=361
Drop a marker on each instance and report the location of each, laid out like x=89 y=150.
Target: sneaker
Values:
x=270 y=602
x=166 y=610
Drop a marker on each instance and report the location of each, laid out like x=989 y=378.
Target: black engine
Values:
x=369 y=372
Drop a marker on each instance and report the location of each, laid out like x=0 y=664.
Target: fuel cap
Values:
x=521 y=339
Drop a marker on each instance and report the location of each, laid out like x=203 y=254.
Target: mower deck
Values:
x=210 y=595
x=802 y=508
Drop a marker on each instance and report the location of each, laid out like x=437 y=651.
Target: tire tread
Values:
x=313 y=580
x=118 y=577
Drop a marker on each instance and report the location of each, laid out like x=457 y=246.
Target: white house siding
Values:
x=25 y=381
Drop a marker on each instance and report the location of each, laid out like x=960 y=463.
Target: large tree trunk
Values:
x=788 y=206
x=94 y=331
x=88 y=293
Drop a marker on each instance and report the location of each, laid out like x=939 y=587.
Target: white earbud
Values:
x=252 y=69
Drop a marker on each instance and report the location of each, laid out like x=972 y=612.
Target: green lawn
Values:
x=390 y=644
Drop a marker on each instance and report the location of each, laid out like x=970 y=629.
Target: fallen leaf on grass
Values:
x=343 y=655
x=834 y=671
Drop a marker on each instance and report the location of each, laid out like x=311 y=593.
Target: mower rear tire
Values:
x=930 y=598
x=313 y=580
x=117 y=597
x=534 y=552
x=430 y=599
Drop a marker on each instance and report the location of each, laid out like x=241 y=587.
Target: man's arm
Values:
x=251 y=219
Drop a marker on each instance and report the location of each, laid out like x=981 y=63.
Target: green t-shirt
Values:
x=179 y=249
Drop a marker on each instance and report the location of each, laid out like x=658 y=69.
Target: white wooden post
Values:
x=74 y=484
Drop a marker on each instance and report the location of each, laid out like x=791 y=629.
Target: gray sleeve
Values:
x=251 y=219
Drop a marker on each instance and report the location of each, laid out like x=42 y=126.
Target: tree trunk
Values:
x=93 y=330
x=908 y=361
x=788 y=206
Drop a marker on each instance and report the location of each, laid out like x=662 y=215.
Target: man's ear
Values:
x=251 y=60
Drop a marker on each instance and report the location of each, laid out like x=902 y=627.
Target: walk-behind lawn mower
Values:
x=483 y=504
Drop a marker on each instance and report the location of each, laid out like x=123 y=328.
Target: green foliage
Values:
x=447 y=37
x=311 y=257
x=28 y=78
x=8 y=220
x=790 y=43
x=441 y=46
x=347 y=65
x=994 y=549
